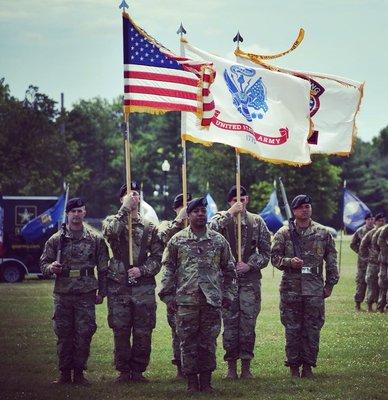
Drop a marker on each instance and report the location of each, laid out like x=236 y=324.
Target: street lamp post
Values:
x=165 y=169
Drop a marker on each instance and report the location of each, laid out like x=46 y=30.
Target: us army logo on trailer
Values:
x=249 y=97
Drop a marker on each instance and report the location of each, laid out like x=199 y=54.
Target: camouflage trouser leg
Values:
x=128 y=317
x=313 y=320
x=372 y=288
x=198 y=328
x=74 y=325
x=143 y=324
x=291 y=316
x=360 y=284
x=171 y=318
x=240 y=323
x=383 y=288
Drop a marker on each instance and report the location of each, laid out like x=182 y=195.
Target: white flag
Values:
x=257 y=111
x=334 y=104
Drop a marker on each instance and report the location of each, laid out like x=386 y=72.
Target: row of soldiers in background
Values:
x=201 y=283
x=370 y=242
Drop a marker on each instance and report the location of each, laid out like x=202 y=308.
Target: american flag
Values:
x=157 y=80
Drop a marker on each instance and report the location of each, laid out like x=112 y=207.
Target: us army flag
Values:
x=334 y=104
x=260 y=112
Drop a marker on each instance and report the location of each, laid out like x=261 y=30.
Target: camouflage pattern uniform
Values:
x=362 y=263
x=369 y=250
x=131 y=307
x=166 y=230
x=383 y=268
x=199 y=273
x=240 y=320
x=75 y=293
x=302 y=307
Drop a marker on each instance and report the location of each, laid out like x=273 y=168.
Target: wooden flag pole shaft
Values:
x=238 y=187
x=184 y=176
x=183 y=131
x=128 y=181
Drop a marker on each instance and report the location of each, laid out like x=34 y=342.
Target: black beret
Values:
x=233 y=192
x=123 y=189
x=368 y=215
x=379 y=216
x=74 y=203
x=301 y=199
x=197 y=202
x=178 y=200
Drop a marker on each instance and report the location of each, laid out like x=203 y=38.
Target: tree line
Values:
x=41 y=146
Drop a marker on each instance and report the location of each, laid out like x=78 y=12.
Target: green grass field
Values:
x=352 y=360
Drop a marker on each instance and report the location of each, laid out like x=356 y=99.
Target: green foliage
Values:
x=40 y=148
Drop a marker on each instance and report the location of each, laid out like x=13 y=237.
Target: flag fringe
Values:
x=188 y=137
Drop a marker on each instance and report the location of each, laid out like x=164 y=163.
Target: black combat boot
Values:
x=307 y=372
x=79 y=378
x=246 y=369
x=294 y=372
x=64 y=378
x=358 y=306
x=205 y=379
x=138 y=377
x=192 y=383
x=232 y=370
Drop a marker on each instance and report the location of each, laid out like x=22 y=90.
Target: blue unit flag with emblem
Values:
x=45 y=222
x=354 y=211
x=271 y=214
x=211 y=207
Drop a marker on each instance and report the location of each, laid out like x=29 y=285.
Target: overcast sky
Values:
x=75 y=46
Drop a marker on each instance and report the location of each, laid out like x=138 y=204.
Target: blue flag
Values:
x=211 y=207
x=271 y=214
x=354 y=211
x=40 y=225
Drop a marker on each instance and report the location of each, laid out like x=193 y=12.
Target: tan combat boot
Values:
x=192 y=383
x=205 y=379
x=64 y=378
x=246 y=369
x=307 y=372
x=294 y=372
x=123 y=377
x=232 y=370
x=79 y=378
x=138 y=377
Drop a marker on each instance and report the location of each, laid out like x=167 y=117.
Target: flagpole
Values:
x=63 y=226
x=343 y=227
x=238 y=189
x=127 y=149
x=238 y=38
x=181 y=31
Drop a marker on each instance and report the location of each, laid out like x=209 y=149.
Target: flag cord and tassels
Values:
x=128 y=182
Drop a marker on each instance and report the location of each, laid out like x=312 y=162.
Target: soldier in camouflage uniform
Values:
x=75 y=289
x=240 y=320
x=166 y=230
x=383 y=269
x=131 y=289
x=199 y=278
x=362 y=263
x=370 y=251
x=302 y=289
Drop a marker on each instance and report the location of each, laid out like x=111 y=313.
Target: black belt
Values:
x=312 y=270
x=77 y=273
